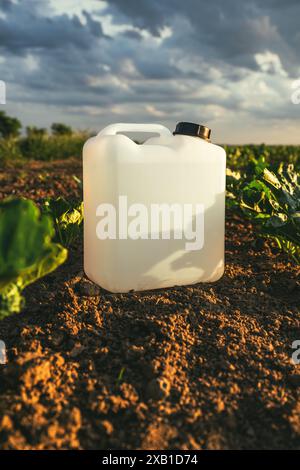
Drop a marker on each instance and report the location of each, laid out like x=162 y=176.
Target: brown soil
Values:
x=205 y=366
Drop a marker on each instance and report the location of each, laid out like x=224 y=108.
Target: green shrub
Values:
x=9 y=126
x=61 y=129
x=10 y=151
x=48 y=148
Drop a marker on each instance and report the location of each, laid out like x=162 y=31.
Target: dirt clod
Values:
x=88 y=288
x=158 y=389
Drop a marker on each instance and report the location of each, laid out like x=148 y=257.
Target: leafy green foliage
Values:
x=53 y=147
x=33 y=131
x=41 y=147
x=9 y=126
x=9 y=151
x=27 y=251
x=67 y=217
x=61 y=129
x=271 y=199
x=240 y=156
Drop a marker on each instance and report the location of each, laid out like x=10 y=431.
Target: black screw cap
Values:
x=195 y=130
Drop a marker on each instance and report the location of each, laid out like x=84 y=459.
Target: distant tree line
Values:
x=11 y=127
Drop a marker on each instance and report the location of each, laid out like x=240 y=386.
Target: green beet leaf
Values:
x=27 y=251
x=271 y=199
x=67 y=218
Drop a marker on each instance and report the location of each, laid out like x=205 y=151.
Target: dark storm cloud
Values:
x=146 y=14
x=22 y=28
x=5 y=5
x=233 y=30
x=165 y=57
x=133 y=34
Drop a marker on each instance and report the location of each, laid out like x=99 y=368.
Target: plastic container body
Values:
x=153 y=213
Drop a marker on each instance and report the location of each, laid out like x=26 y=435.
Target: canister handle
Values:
x=130 y=127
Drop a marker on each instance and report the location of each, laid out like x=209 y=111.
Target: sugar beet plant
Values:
x=27 y=251
x=271 y=199
x=67 y=217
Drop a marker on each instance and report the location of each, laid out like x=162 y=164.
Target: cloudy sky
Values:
x=230 y=65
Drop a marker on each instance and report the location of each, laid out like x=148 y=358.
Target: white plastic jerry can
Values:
x=153 y=212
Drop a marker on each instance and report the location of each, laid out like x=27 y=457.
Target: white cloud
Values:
x=153 y=111
x=31 y=63
x=270 y=63
x=107 y=81
x=74 y=7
